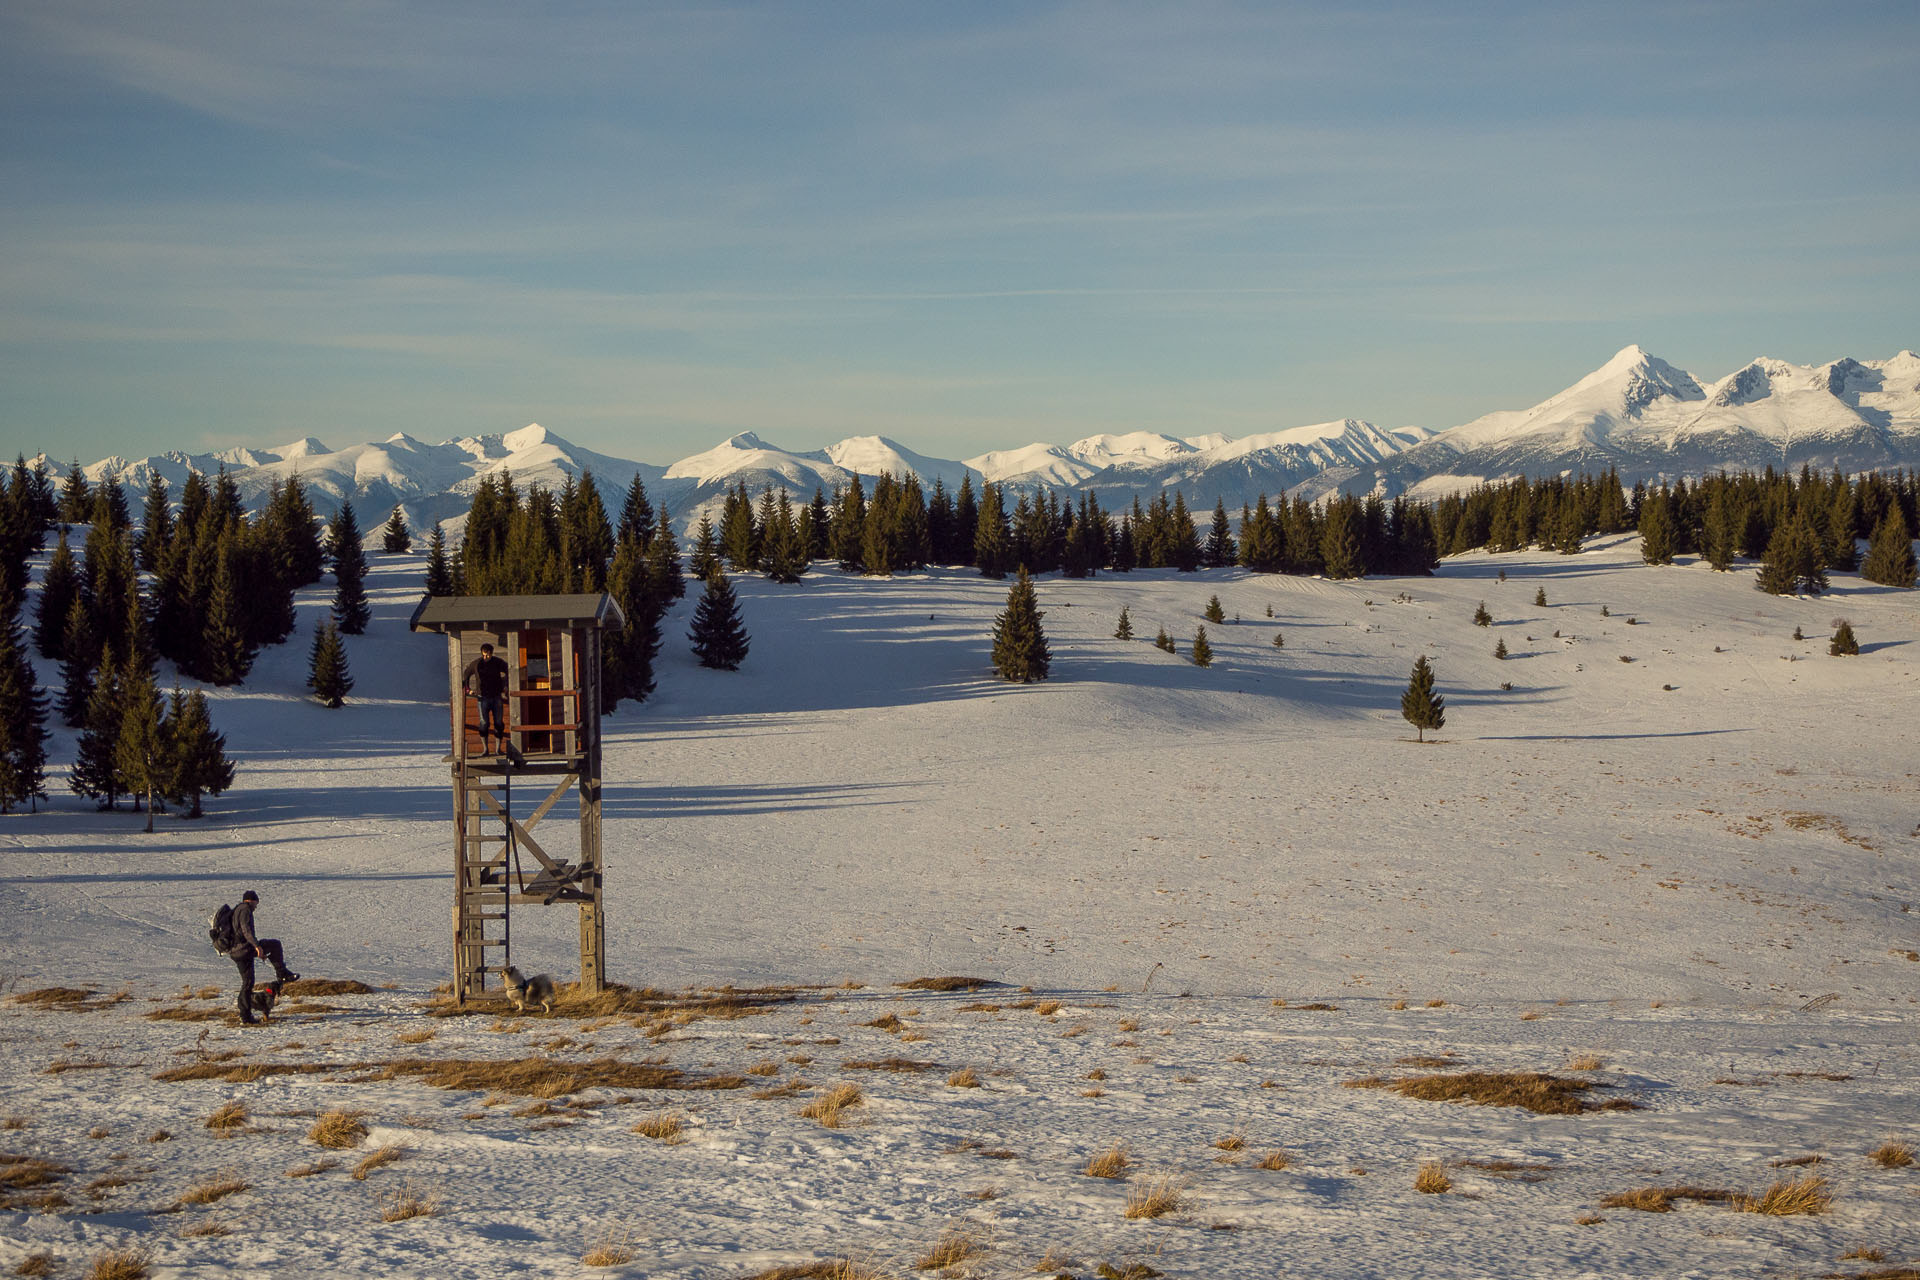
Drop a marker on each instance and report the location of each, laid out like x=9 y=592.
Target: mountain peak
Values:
x=531 y=436
x=304 y=447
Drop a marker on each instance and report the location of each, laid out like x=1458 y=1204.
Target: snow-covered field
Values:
x=1689 y=872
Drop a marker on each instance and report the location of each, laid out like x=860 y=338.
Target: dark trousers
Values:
x=493 y=717
x=243 y=957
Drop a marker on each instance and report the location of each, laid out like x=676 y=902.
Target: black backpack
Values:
x=220 y=930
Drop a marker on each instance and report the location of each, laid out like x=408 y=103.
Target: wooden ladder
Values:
x=482 y=927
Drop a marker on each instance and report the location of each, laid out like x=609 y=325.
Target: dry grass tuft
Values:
x=14 y=1122
x=415 y=1037
x=1428 y=1061
x=610 y=1250
x=889 y=1022
x=540 y=1077
x=1892 y=1155
x=827 y=1269
x=1047 y=1008
x=206 y=1227
x=964 y=1078
x=1274 y=1161
x=1790 y=1196
x=1533 y=1090
x=409 y=1200
x=1660 y=1199
x=160 y=1135
x=308 y=1170
x=119 y=1264
x=662 y=1126
x=1154 y=1199
x=54 y=998
x=827 y=1108
x=1587 y=1062
x=1863 y=1254
x=954 y=1246
x=228 y=1119
x=379 y=1158
x=765 y=1067
x=1432 y=1179
x=1795 y=1162
x=1235 y=1141
x=1507 y=1170
x=35 y=1264
x=1111 y=1163
x=307 y=987
x=909 y=1065
x=1397 y=1005
x=1588 y=1220
x=218 y=1189
x=339 y=1130
x=944 y=984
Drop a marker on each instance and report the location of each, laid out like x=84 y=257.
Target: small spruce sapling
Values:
x=1202 y=651
x=1500 y=650
x=719 y=637
x=1798 y=634
x=1214 y=612
x=1163 y=640
x=327 y=673
x=1125 y=630
x=1269 y=610
x=1481 y=618
x=1279 y=640
x=1502 y=575
x=1020 y=653
x=1843 y=644
x=1420 y=705
x=1540 y=598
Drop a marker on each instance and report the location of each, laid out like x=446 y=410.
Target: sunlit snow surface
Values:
x=1696 y=885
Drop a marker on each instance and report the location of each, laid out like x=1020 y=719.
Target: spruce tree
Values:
x=719 y=637
x=1843 y=644
x=739 y=538
x=705 y=556
x=76 y=497
x=1540 y=598
x=630 y=652
x=1340 y=547
x=992 y=538
x=1161 y=640
x=1890 y=560
x=142 y=750
x=1202 y=651
x=439 y=568
x=199 y=754
x=396 y=539
x=156 y=528
x=1020 y=652
x=663 y=563
x=1500 y=649
x=23 y=720
x=1481 y=618
x=1657 y=537
x=1420 y=705
x=1279 y=640
x=785 y=555
x=1215 y=613
x=327 y=673
x=77 y=666
x=59 y=589
x=350 y=608
x=95 y=771
x=226 y=653
x=1220 y=549
x=1125 y=630
x=1793 y=561
x=1567 y=538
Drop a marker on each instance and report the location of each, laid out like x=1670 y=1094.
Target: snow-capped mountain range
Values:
x=1636 y=413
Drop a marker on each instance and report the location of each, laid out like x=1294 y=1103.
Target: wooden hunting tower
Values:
x=551 y=645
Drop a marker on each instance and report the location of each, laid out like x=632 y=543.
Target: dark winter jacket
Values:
x=243 y=928
x=491 y=674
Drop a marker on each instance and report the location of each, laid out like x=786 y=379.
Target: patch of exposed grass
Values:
x=1153 y=1199
x=13 y=1122
x=379 y=1158
x=1892 y=1155
x=1111 y=1163
x=1235 y=1141
x=241 y=1073
x=1427 y=1061
x=1660 y=1199
x=339 y=1130
x=1789 y=1197
x=309 y=1170
x=1795 y=1162
x=35 y=1264
x=539 y=1077
x=955 y=1246
x=67 y=998
x=415 y=1037
x=1432 y=1179
x=205 y=1228
x=1506 y=1170
x=1274 y=1161
x=909 y=1065
x=951 y=983
x=1532 y=1090
x=409 y=1200
x=216 y=1189
x=826 y=1269
x=827 y=1108
x=611 y=1250
x=964 y=1078
x=306 y=988
x=662 y=1126
x=888 y=1022
x=229 y=1119
x=1586 y=1062
x=119 y=1264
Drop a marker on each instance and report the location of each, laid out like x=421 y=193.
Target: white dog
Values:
x=525 y=991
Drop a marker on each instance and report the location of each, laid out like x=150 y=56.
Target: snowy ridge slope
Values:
x=1637 y=413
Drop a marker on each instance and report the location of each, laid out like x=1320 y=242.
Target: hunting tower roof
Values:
x=446 y=614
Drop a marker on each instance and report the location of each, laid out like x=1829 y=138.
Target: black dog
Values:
x=265 y=996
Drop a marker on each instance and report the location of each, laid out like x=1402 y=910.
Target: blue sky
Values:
x=966 y=226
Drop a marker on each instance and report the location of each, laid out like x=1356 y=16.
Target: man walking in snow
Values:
x=491 y=673
x=247 y=947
